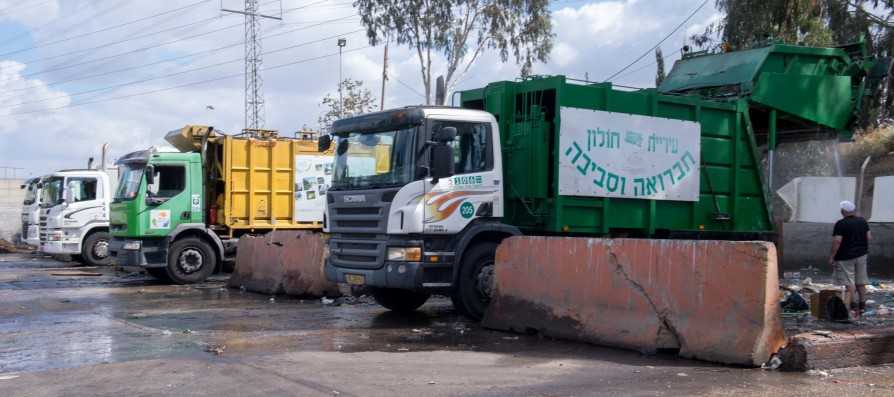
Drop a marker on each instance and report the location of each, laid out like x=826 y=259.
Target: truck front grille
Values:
x=356 y=253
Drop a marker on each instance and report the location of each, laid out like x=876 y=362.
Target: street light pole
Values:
x=341 y=102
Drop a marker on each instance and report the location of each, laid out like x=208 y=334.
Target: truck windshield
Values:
x=370 y=160
x=51 y=194
x=129 y=181
x=31 y=193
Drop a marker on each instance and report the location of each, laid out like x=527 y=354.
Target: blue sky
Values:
x=65 y=90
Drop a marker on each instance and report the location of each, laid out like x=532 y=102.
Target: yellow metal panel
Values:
x=259 y=175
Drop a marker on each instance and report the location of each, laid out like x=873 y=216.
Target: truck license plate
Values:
x=355 y=279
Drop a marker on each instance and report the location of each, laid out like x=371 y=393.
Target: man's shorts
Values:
x=851 y=271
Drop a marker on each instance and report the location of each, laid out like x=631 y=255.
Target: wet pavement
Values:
x=97 y=331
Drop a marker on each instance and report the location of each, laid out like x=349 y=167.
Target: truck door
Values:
x=470 y=193
x=86 y=205
x=168 y=200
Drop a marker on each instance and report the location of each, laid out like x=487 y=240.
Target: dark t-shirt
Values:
x=852 y=230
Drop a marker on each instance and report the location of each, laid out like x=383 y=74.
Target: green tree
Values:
x=460 y=31
x=659 y=72
x=356 y=100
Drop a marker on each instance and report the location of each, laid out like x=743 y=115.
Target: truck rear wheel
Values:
x=476 y=280
x=95 y=250
x=399 y=300
x=190 y=260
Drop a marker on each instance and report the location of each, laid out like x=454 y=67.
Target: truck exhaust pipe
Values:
x=105 y=152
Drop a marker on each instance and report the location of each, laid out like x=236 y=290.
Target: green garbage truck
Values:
x=555 y=156
x=179 y=214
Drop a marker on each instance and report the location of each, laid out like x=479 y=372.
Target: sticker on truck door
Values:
x=196 y=203
x=160 y=219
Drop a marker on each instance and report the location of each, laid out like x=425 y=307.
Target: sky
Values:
x=75 y=74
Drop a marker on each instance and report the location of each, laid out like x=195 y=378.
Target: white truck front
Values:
x=31 y=211
x=416 y=204
x=74 y=218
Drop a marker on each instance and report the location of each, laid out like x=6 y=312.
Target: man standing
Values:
x=850 y=249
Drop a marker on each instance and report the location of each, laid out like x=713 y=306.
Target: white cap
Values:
x=848 y=206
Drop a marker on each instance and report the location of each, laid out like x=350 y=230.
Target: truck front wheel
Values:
x=95 y=250
x=399 y=300
x=476 y=280
x=190 y=260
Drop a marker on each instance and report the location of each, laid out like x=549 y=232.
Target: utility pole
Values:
x=254 y=85
x=341 y=102
x=384 y=77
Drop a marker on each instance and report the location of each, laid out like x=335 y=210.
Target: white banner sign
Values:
x=313 y=175
x=605 y=154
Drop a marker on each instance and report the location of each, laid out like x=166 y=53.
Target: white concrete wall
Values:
x=817 y=199
x=11 y=197
x=883 y=200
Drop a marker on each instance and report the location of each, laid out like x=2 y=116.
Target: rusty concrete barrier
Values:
x=712 y=300
x=840 y=349
x=282 y=262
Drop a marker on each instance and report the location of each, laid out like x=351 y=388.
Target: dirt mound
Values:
x=7 y=248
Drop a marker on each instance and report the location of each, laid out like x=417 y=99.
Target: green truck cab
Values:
x=157 y=217
x=179 y=215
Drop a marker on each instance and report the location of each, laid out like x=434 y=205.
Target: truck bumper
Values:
x=61 y=247
x=403 y=275
x=151 y=252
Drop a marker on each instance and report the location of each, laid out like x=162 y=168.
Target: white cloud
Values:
x=564 y=54
x=595 y=38
x=31 y=14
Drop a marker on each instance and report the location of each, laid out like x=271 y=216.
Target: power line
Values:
x=44 y=44
x=4 y=11
x=182 y=85
x=408 y=86
x=113 y=56
x=190 y=55
x=131 y=38
x=68 y=29
x=660 y=42
x=653 y=63
x=130 y=83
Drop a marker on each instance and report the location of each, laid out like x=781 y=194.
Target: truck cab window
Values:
x=83 y=189
x=471 y=148
x=170 y=180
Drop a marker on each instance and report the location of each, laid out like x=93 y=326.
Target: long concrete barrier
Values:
x=710 y=300
x=282 y=262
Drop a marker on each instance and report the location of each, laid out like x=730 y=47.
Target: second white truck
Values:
x=74 y=215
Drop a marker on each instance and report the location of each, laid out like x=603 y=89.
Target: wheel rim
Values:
x=190 y=260
x=484 y=282
x=101 y=249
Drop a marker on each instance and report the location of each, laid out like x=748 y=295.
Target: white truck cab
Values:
x=74 y=216
x=413 y=190
x=31 y=211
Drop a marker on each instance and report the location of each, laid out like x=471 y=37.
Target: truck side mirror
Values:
x=444 y=135
x=150 y=174
x=441 y=161
x=323 y=143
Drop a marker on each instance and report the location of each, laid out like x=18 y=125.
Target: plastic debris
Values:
x=794 y=303
x=816 y=372
x=326 y=301
x=773 y=364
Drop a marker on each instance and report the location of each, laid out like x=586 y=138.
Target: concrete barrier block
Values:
x=711 y=300
x=282 y=262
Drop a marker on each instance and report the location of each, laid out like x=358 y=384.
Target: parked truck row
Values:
x=416 y=200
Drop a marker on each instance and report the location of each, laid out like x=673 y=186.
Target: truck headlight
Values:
x=132 y=245
x=405 y=254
